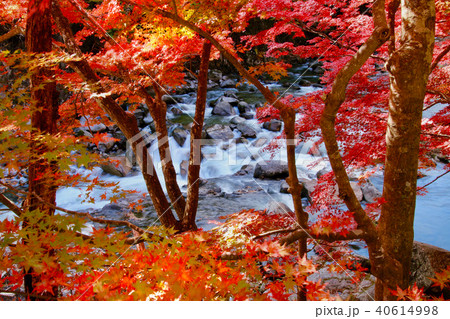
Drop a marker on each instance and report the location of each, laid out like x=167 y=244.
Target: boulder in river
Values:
x=180 y=135
x=278 y=208
x=246 y=130
x=244 y=107
x=245 y=169
x=273 y=125
x=184 y=165
x=228 y=84
x=271 y=170
x=247 y=116
x=237 y=120
x=170 y=100
x=117 y=166
x=224 y=109
x=370 y=192
x=219 y=132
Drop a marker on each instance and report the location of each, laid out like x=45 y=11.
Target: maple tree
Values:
x=365 y=48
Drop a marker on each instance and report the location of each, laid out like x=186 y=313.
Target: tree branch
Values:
x=16 y=30
x=9 y=203
x=439 y=57
x=126 y=122
x=274 y=232
x=420 y=188
x=443 y=96
x=332 y=237
x=332 y=40
x=334 y=100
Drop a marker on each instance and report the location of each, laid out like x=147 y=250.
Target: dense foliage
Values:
x=112 y=55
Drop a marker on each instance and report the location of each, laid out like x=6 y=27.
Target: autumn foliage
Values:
x=109 y=57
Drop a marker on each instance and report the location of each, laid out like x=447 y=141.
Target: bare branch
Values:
x=439 y=57
x=9 y=203
x=332 y=237
x=332 y=40
x=16 y=30
x=443 y=174
x=444 y=97
x=274 y=232
x=436 y=135
x=334 y=100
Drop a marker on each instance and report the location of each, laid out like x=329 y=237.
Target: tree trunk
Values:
x=125 y=121
x=44 y=108
x=159 y=114
x=196 y=134
x=409 y=68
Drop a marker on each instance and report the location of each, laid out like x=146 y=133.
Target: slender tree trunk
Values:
x=295 y=188
x=159 y=113
x=196 y=135
x=44 y=108
x=125 y=121
x=409 y=68
x=157 y=109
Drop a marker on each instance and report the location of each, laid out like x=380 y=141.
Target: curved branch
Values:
x=126 y=122
x=332 y=237
x=16 y=30
x=439 y=57
x=9 y=203
x=268 y=95
x=334 y=100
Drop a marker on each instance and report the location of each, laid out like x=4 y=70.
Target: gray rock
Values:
x=237 y=120
x=209 y=188
x=180 y=135
x=304 y=82
x=229 y=99
x=111 y=207
x=245 y=170
x=170 y=100
x=108 y=145
x=97 y=128
x=341 y=285
x=370 y=192
x=278 y=208
x=224 y=109
x=215 y=75
x=176 y=111
x=120 y=169
x=112 y=211
x=322 y=172
x=271 y=170
x=357 y=189
x=244 y=107
x=148 y=119
x=241 y=140
x=284 y=187
x=139 y=114
x=273 y=125
x=260 y=142
x=228 y=84
x=230 y=93
x=82 y=131
x=246 y=130
x=247 y=116
x=184 y=165
x=219 y=131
